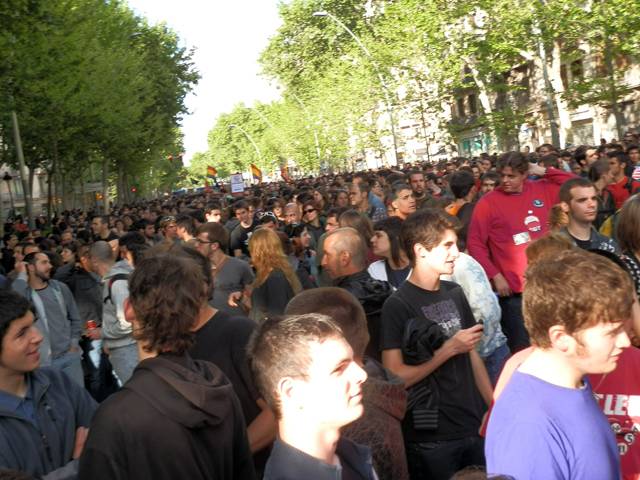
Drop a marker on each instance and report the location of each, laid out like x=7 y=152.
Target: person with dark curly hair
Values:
x=176 y=417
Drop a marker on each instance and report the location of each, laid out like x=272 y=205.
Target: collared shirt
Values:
x=21 y=407
x=287 y=462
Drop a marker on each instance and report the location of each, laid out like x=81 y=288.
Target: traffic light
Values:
x=134 y=189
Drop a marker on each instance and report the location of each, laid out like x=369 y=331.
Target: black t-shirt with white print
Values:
x=461 y=407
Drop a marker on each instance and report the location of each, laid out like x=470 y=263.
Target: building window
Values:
x=460 y=107
x=473 y=105
x=577 y=70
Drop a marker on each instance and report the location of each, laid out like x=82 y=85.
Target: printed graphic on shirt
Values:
x=623 y=413
x=446 y=314
x=538 y=203
x=532 y=222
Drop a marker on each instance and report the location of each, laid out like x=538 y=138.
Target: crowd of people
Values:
x=470 y=319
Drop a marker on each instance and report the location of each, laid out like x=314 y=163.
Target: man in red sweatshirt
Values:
x=622 y=187
x=503 y=224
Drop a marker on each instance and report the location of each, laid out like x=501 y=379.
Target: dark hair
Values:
x=396 y=188
x=30 y=258
x=14 y=475
x=339 y=305
x=548 y=146
x=392 y=227
x=598 y=168
x=358 y=221
x=166 y=295
x=138 y=251
x=186 y=221
x=363 y=187
x=14 y=306
x=213 y=206
x=490 y=176
x=336 y=212
x=129 y=239
x=565 y=189
x=620 y=156
x=203 y=262
x=240 y=205
x=426 y=227
x=215 y=233
x=515 y=160
x=461 y=183
x=72 y=246
x=550 y=160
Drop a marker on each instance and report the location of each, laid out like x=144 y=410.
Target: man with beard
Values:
x=58 y=318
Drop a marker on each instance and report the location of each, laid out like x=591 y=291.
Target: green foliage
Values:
x=420 y=55
x=90 y=81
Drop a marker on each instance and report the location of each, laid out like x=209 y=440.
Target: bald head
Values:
x=348 y=240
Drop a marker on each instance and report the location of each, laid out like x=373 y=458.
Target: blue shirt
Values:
x=21 y=407
x=538 y=430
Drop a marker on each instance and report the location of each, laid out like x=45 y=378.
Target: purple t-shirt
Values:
x=542 y=431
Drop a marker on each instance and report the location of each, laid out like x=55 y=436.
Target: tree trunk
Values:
x=83 y=199
x=105 y=186
x=564 y=116
x=120 y=185
x=613 y=92
x=50 y=178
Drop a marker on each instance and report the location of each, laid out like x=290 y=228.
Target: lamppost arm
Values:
x=233 y=125
x=385 y=88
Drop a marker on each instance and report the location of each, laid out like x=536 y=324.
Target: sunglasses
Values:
x=309 y=210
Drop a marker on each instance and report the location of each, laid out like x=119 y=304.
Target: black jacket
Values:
x=371 y=293
x=175 y=418
x=86 y=289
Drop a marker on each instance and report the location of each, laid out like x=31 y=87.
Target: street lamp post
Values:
x=246 y=134
x=385 y=88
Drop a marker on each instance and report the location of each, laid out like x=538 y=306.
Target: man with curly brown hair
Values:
x=176 y=417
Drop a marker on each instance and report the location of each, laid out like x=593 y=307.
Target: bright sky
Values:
x=228 y=37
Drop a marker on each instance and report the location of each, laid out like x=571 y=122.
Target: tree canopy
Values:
x=93 y=84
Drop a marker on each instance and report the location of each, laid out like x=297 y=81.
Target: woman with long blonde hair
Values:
x=276 y=282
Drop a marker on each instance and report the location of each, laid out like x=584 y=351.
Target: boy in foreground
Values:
x=546 y=423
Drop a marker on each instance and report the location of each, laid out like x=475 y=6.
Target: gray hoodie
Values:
x=116 y=331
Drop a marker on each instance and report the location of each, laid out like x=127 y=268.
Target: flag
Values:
x=211 y=172
x=284 y=172
x=256 y=173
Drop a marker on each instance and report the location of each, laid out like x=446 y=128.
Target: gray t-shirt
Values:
x=234 y=276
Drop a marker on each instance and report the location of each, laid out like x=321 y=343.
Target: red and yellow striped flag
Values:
x=211 y=172
x=256 y=173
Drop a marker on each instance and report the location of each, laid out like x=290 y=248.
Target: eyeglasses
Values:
x=309 y=210
x=200 y=241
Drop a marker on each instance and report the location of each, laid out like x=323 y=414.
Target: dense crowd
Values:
x=466 y=319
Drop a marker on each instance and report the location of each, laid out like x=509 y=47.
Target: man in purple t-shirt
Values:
x=546 y=423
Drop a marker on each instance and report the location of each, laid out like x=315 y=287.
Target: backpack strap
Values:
x=112 y=280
